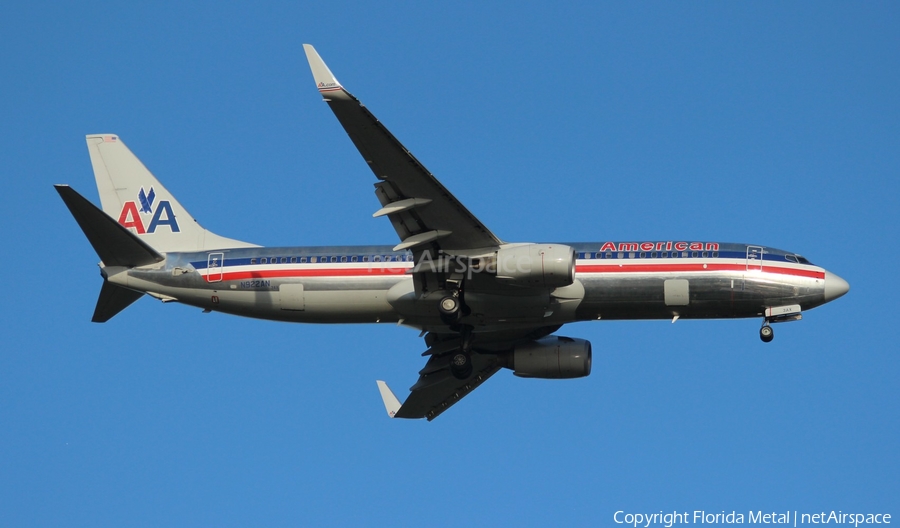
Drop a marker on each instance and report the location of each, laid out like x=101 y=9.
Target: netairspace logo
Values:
x=788 y=518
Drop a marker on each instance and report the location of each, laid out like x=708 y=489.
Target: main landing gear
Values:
x=461 y=360
x=461 y=365
x=450 y=308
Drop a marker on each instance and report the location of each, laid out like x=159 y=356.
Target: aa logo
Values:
x=131 y=217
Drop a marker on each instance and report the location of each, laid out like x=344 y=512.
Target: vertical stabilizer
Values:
x=130 y=194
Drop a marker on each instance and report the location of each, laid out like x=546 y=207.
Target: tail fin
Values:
x=131 y=194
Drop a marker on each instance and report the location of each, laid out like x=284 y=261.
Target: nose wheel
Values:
x=766 y=333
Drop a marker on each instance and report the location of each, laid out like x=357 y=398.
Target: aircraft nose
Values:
x=834 y=286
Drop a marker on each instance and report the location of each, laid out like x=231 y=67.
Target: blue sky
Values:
x=772 y=123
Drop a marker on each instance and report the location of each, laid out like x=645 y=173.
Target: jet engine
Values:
x=540 y=265
x=552 y=357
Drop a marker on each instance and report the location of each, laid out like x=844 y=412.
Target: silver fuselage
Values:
x=371 y=284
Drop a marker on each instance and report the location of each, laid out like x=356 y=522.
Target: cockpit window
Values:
x=798 y=259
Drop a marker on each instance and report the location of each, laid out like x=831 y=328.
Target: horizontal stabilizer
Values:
x=391 y=403
x=114 y=244
x=113 y=299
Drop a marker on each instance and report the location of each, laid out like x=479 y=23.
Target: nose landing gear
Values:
x=766 y=333
x=778 y=314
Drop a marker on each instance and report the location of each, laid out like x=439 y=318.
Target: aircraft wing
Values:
x=422 y=211
x=437 y=389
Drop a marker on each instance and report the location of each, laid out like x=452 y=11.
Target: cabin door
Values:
x=754 y=258
x=214 y=264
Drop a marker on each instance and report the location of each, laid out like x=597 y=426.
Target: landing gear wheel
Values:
x=460 y=365
x=766 y=333
x=449 y=305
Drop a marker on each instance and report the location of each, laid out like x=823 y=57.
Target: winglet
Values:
x=325 y=80
x=391 y=403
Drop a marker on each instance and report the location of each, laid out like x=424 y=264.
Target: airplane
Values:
x=481 y=303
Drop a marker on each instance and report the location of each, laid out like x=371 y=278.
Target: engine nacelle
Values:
x=552 y=357
x=539 y=265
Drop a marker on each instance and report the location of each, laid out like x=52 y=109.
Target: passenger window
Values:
x=608 y=255
x=284 y=260
x=643 y=255
x=354 y=258
x=715 y=254
x=333 y=259
x=653 y=255
x=621 y=255
x=684 y=254
x=693 y=254
x=631 y=254
x=263 y=260
x=705 y=254
x=365 y=258
x=253 y=261
x=377 y=258
x=343 y=259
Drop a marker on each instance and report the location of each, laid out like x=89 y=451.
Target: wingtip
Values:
x=391 y=403
x=325 y=80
